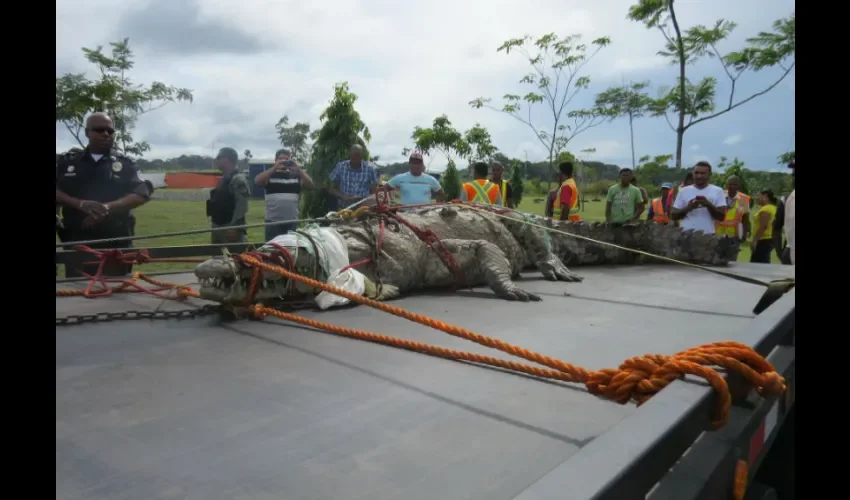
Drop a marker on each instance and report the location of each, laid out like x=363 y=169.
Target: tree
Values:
x=450 y=181
x=696 y=101
x=517 y=181
x=480 y=144
x=341 y=128
x=247 y=157
x=441 y=137
x=628 y=100
x=652 y=170
x=556 y=65
x=785 y=158
x=113 y=93
x=444 y=138
x=296 y=137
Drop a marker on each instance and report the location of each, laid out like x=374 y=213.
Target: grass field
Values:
x=165 y=216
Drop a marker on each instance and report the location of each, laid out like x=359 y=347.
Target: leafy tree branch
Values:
x=556 y=67
x=113 y=92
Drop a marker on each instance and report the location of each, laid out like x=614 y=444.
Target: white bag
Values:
x=334 y=254
x=351 y=280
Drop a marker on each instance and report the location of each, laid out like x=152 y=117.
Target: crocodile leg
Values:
x=482 y=261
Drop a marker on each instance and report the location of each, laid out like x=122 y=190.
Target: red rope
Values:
x=115 y=256
x=426 y=235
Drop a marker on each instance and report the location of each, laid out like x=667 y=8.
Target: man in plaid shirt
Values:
x=353 y=179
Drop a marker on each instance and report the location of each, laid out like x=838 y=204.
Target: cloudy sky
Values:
x=251 y=61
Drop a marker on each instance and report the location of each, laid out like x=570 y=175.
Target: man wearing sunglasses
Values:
x=97 y=188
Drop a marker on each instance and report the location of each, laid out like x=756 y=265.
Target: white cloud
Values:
x=695 y=147
x=732 y=140
x=408 y=63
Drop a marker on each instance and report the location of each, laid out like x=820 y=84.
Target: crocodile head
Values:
x=223 y=279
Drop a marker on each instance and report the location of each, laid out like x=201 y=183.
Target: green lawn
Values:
x=165 y=216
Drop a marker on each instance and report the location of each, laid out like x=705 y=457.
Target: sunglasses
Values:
x=100 y=130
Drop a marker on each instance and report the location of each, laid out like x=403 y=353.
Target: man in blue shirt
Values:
x=416 y=186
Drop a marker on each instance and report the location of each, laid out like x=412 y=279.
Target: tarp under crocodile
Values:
x=265 y=410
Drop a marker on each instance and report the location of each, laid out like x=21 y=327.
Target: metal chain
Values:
x=77 y=319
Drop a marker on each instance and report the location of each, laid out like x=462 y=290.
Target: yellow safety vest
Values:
x=734 y=216
x=574 y=210
x=504 y=192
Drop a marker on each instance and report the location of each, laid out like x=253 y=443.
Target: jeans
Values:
x=279 y=229
x=761 y=253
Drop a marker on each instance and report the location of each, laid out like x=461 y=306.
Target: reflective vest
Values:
x=504 y=191
x=481 y=191
x=734 y=216
x=573 y=214
x=658 y=213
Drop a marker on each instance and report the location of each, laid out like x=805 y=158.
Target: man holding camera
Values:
x=283 y=183
x=699 y=205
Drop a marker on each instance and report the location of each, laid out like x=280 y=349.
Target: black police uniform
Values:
x=111 y=178
x=222 y=205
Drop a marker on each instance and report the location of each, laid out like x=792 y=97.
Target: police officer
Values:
x=97 y=188
x=228 y=203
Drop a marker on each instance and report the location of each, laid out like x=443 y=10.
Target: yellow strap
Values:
x=481 y=192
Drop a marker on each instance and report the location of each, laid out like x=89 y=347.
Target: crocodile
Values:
x=488 y=248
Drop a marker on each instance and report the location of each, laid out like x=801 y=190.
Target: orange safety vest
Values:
x=734 y=216
x=504 y=191
x=573 y=214
x=481 y=191
x=658 y=213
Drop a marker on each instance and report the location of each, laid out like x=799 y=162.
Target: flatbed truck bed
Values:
x=205 y=409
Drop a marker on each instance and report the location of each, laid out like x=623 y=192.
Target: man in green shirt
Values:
x=625 y=201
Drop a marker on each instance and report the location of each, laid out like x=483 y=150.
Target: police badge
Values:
x=117 y=166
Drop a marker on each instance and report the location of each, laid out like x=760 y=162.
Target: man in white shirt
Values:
x=697 y=206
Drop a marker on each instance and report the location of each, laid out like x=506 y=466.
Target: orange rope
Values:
x=637 y=379
x=742 y=470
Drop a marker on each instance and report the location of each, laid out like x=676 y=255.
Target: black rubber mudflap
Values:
x=775 y=290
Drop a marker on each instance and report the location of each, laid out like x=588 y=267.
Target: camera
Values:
x=289 y=163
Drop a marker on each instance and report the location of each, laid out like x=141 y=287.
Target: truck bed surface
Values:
x=200 y=409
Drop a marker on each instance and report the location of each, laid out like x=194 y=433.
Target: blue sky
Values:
x=251 y=61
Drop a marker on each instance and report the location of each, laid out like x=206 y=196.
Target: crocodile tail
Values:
x=690 y=246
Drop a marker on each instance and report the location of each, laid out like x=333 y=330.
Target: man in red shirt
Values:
x=566 y=204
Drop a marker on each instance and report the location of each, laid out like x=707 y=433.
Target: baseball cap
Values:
x=228 y=153
x=416 y=157
x=667 y=185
